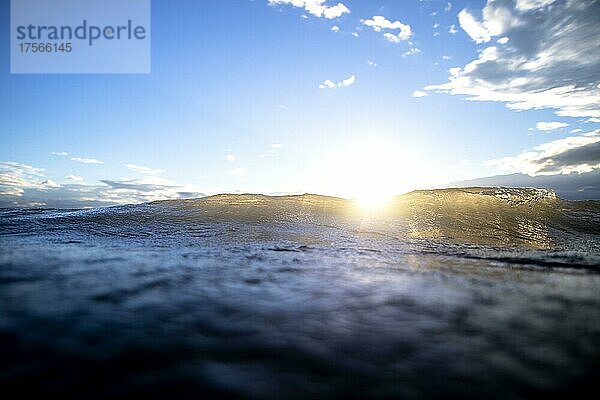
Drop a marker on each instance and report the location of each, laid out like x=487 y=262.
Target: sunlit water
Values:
x=447 y=294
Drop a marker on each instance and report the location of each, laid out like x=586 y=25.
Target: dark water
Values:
x=447 y=294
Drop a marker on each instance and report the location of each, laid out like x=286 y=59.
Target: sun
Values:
x=369 y=172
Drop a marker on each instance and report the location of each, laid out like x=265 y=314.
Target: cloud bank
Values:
x=576 y=154
x=544 y=57
x=22 y=185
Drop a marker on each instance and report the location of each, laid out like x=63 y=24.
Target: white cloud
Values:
x=276 y=145
x=74 y=178
x=355 y=34
x=145 y=170
x=446 y=57
x=230 y=158
x=60 y=153
x=24 y=185
x=329 y=84
x=335 y=28
x=452 y=30
x=379 y=23
x=238 y=172
x=15 y=178
x=503 y=40
x=419 y=93
x=348 y=81
x=436 y=25
x=448 y=7
x=528 y=5
x=550 y=126
x=474 y=28
x=412 y=51
x=548 y=62
x=318 y=8
x=577 y=130
x=86 y=160
x=575 y=154
x=595 y=120
x=371 y=63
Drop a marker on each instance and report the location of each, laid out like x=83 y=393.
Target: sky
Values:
x=353 y=99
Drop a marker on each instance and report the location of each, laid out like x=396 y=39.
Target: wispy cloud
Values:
x=60 y=153
x=544 y=62
x=74 y=178
x=550 y=126
x=86 y=160
x=419 y=93
x=318 y=8
x=145 y=170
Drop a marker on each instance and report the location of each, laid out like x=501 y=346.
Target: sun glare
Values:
x=369 y=172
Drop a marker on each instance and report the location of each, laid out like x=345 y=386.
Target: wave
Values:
x=535 y=218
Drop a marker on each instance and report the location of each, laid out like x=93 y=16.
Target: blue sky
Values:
x=238 y=100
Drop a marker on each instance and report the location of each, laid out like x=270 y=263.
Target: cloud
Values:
x=145 y=170
x=230 y=157
x=412 y=51
x=474 y=28
x=348 y=81
x=15 y=178
x=239 y=172
x=528 y=5
x=318 y=8
x=86 y=160
x=448 y=7
x=419 y=93
x=329 y=84
x=335 y=28
x=393 y=37
x=550 y=126
x=25 y=185
x=60 y=153
x=371 y=63
x=548 y=62
x=276 y=145
x=595 y=120
x=74 y=178
x=452 y=30
x=379 y=23
x=575 y=154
